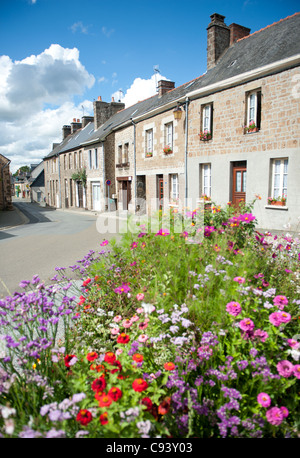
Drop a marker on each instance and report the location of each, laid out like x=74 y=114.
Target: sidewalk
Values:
x=12 y=218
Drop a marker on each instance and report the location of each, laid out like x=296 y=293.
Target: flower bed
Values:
x=172 y=334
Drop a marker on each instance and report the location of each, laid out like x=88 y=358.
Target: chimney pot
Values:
x=99 y=98
x=112 y=99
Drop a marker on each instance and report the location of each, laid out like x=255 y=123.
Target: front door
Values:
x=160 y=190
x=96 y=197
x=126 y=193
x=80 y=194
x=239 y=183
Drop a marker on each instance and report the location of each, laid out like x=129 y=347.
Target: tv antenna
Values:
x=120 y=92
x=82 y=110
x=156 y=70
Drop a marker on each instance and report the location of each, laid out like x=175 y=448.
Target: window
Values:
x=126 y=147
x=120 y=154
x=90 y=158
x=174 y=187
x=65 y=161
x=70 y=161
x=205 y=179
x=75 y=160
x=169 y=135
x=253 y=111
x=206 y=122
x=149 y=141
x=96 y=158
x=279 y=178
x=80 y=159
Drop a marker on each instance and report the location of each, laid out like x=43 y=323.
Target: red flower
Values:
x=110 y=357
x=164 y=406
x=118 y=365
x=139 y=385
x=147 y=402
x=115 y=393
x=169 y=366
x=68 y=359
x=105 y=400
x=81 y=301
x=98 y=384
x=91 y=356
x=86 y=282
x=84 y=416
x=137 y=358
x=103 y=418
x=99 y=394
x=123 y=338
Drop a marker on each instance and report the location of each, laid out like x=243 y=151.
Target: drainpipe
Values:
x=2 y=176
x=186 y=147
x=134 y=161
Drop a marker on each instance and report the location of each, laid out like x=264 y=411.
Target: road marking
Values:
x=5 y=286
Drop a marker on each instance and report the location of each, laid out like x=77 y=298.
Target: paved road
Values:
x=50 y=238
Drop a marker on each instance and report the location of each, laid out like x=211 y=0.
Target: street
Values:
x=49 y=238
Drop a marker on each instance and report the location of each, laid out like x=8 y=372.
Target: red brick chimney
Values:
x=218 y=39
x=238 y=31
x=165 y=86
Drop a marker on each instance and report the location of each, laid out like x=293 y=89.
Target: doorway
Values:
x=160 y=191
x=239 y=182
x=96 y=196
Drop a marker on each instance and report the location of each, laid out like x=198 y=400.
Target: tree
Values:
x=24 y=168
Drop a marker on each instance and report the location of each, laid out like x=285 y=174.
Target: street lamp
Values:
x=177 y=112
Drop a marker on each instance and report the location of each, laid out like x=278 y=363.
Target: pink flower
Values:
x=134 y=318
x=285 y=317
x=293 y=343
x=260 y=334
x=240 y=280
x=275 y=318
x=274 y=416
x=119 y=351
x=285 y=368
x=143 y=325
x=284 y=411
x=233 y=308
x=246 y=218
x=143 y=338
x=105 y=242
x=140 y=296
x=280 y=301
x=127 y=323
x=297 y=370
x=133 y=245
x=117 y=318
x=115 y=331
x=264 y=399
x=163 y=232
x=140 y=310
x=246 y=325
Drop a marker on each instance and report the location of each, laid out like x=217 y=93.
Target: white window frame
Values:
x=282 y=172
x=174 y=189
x=206 y=118
x=252 y=106
x=149 y=141
x=169 y=135
x=206 y=173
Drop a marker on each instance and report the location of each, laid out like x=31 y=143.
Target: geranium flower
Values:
x=92 y=356
x=137 y=357
x=115 y=393
x=285 y=368
x=86 y=282
x=110 y=357
x=123 y=338
x=98 y=384
x=84 y=417
x=169 y=366
x=139 y=385
x=264 y=399
x=103 y=418
x=105 y=400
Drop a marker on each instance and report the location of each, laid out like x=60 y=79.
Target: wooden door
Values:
x=239 y=184
x=160 y=192
x=80 y=194
x=126 y=194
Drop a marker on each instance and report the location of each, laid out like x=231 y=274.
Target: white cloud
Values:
x=36 y=100
x=102 y=79
x=107 y=32
x=140 y=89
x=79 y=26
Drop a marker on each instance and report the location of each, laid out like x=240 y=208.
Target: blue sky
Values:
x=57 y=56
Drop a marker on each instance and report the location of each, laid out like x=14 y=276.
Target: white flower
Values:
x=295 y=354
x=148 y=308
x=9 y=426
x=7 y=411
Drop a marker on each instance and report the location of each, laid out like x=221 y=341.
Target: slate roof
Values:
x=39 y=181
x=273 y=43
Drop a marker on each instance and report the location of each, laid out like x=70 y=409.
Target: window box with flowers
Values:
x=251 y=128
x=167 y=150
x=206 y=200
x=205 y=136
x=149 y=154
x=278 y=202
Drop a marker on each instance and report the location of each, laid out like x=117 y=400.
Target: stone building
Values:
x=5 y=184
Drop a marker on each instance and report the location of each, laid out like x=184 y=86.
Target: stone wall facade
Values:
x=5 y=184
